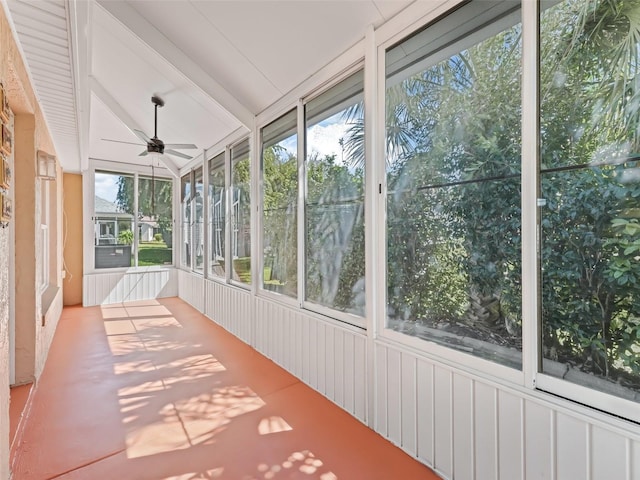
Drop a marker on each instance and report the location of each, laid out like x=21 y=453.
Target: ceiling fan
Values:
x=154 y=144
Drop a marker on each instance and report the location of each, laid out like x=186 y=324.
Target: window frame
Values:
x=116 y=168
x=45 y=235
x=230 y=216
x=261 y=291
x=530 y=380
x=224 y=166
x=447 y=355
x=340 y=316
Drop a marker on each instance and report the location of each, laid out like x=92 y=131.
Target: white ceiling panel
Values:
x=203 y=42
x=215 y=63
x=132 y=73
x=289 y=41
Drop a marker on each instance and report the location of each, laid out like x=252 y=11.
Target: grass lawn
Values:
x=154 y=253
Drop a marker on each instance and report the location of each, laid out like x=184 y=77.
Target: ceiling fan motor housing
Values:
x=155 y=146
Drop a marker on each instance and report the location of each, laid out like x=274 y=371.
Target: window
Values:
x=334 y=198
x=155 y=221
x=453 y=146
x=197 y=221
x=217 y=215
x=44 y=234
x=185 y=203
x=589 y=190
x=117 y=196
x=114 y=219
x=192 y=190
x=279 y=206
x=241 y=212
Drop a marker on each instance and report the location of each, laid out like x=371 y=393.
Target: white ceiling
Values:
x=216 y=64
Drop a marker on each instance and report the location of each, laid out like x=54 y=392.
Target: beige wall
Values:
x=32 y=338
x=72 y=283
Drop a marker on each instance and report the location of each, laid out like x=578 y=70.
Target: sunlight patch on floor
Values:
x=303 y=461
x=273 y=424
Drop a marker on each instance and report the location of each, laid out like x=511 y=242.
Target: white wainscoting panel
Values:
x=191 y=289
x=117 y=287
x=231 y=308
x=468 y=428
x=329 y=358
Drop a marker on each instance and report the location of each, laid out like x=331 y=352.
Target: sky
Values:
x=322 y=138
x=106 y=186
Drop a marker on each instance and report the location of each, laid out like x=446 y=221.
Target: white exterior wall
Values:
x=462 y=425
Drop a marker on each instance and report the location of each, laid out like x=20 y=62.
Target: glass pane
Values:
x=217 y=215
x=197 y=219
x=185 y=195
x=334 y=204
x=279 y=200
x=453 y=185
x=241 y=212
x=155 y=221
x=590 y=185
x=113 y=220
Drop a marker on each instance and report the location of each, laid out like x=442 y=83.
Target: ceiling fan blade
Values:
x=143 y=153
x=142 y=136
x=181 y=146
x=177 y=154
x=120 y=141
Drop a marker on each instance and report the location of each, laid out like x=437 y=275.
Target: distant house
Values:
x=110 y=220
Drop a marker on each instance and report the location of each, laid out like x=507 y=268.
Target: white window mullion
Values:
x=530 y=191
x=302 y=191
x=136 y=206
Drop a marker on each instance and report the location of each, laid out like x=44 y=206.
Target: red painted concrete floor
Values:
x=155 y=390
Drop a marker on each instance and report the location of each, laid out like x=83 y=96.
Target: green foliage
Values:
x=125 y=237
x=453 y=179
x=334 y=235
x=280 y=193
x=157 y=237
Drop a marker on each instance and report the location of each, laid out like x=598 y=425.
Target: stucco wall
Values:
x=30 y=134
x=72 y=283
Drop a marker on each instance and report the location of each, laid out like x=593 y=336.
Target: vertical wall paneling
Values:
x=305 y=341
x=608 y=455
x=330 y=373
x=360 y=375
x=510 y=435
x=425 y=413
x=229 y=307
x=349 y=374
x=380 y=408
x=538 y=441
x=117 y=287
x=191 y=289
x=443 y=403
x=572 y=447
x=485 y=431
x=408 y=404
x=634 y=460
x=313 y=354
x=394 y=394
x=322 y=357
x=463 y=426
x=338 y=368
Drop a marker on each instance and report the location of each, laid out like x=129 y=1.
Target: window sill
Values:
x=48 y=296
